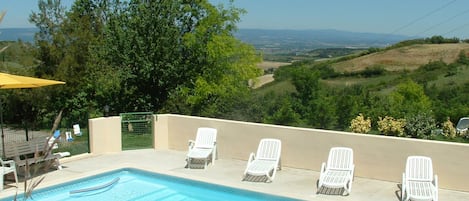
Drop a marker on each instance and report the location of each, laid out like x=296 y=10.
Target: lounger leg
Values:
x=269 y=179
x=346 y=188
x=16 y=178
x=57 y=164
x=349 y=186
x=1 y=183
x=214 y=157
x=280 y=164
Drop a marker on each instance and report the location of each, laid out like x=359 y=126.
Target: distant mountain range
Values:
x=13 y=34
x=315 y=39
x=265 y=39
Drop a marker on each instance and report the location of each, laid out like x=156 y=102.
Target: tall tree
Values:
x=183 y=50
x=49 y=39
x=66 y=43
x=409 y=99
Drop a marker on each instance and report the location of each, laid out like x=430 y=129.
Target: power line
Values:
x=418 y=19
x=457 y=28
x=443 y=22
x=422 y=17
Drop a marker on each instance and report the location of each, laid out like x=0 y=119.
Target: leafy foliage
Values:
x=360 y=124
x=390 y=126
x=409 y=99
x=174 y=56
x=448 y=129
x=181 y=57
x=284 y=114
x=420 y=125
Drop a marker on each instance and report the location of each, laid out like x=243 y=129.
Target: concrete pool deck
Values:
x=290 y=182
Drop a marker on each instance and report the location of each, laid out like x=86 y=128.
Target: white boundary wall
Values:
x=375 y=157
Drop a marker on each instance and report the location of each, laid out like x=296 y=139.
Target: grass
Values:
x=79 y=145
x=136 y=141
x=457 y=79
x=349 y=81
x=130 y=141
x=278 y=87
x=456 y=139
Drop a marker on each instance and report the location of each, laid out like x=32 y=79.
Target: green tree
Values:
x=306 y=82
x=143 y=40
x=284 y=114
x=324 y=113
x=67 y=43
x=224 y=65
x=350 y=103
x=317 y=104
x=49 y=39
x=409 y=99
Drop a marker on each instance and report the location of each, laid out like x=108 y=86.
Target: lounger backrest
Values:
x=76 y=129
x=340 y=158
x=419 y=168
x=269 y=149
x=206 y=137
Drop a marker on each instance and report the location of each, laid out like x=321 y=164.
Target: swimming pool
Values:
x=140 y=185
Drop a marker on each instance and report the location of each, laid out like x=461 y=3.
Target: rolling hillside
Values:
x=394 y=60
x=409 y=57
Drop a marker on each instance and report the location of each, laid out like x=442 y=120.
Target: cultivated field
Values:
x=409 y=57
x=265 y=65
x=271 y=64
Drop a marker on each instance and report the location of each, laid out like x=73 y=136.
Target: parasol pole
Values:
x=1 y=125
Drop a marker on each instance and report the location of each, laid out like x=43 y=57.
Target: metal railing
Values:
x=136 y=130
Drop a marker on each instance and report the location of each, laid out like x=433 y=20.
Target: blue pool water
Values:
x=139 y=185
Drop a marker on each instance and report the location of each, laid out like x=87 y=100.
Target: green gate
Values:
x=137 y=130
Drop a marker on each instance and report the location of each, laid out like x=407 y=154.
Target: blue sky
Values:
x=449 y=18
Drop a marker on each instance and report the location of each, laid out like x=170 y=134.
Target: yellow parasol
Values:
x=9 y=81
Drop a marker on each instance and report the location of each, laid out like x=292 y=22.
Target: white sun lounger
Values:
x=418 y=181
x=266 y=161
x=7 y=168
x=77 y=130
x=339 y=170
x=204 y=146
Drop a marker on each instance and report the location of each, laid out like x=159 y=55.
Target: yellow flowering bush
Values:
x=448 y=129
x=360 y=124
x=391 y=126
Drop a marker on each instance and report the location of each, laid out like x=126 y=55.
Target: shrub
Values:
x=448 y=129
x=391 y=126
x=360 y=124
x=464 y=134
x=420 y=125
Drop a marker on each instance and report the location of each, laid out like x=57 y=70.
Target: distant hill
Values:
x=13 y=34
x=408 y=57
x=275 y=39
x=315 y=39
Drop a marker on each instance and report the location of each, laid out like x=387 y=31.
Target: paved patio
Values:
x=295 y=183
